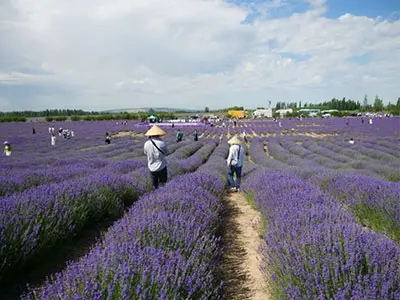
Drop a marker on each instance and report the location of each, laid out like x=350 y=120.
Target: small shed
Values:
x=263 y=113
x=283 y=112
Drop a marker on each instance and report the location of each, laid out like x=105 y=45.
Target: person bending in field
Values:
x=179 y=136
x=155 y=149
x=108 y=139
x=7 y=149
x=196 y=136
x=235 y=163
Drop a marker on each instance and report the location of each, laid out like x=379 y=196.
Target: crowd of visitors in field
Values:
x=156 y=149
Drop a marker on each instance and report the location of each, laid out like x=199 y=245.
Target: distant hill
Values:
x=146 y=109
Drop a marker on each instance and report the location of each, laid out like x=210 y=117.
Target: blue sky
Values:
x=100 y=54
x=387 y=9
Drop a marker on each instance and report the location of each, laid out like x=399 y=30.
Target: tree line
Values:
x=346 y=104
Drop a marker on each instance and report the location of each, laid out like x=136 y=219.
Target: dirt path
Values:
x=240 y=267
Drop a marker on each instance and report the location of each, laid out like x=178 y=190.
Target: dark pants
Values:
x=233 y=170
x=159 y=177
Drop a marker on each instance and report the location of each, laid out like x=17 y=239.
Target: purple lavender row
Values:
x=372 y=154
x=314 y=249
x=39 y=218
x=30 y=223
x=375 y=203
x=304 y=153
x=165 y=247
x=17 y=181
x=380 y=146
x=363 y=162
x=259 y=156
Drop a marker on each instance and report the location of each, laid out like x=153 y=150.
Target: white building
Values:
x=265 y=113
x=283 y=112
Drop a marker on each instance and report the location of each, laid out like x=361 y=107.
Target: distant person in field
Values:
x=155 y=149
x=235 y=163
x=195 y=136
x=179 y=136
x=370 y=121
x=60 y=131
x=351 y=141
x=245 y=136
x=33 y=130
x=52 y=136
x=7 y=149
x=108 y=139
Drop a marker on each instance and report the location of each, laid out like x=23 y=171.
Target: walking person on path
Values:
x=155 y=149
x=235 y=163
x=245 y=136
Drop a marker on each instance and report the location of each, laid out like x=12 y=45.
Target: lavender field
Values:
x=330 y=209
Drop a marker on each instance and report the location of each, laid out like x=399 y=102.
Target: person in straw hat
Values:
x=235 y=163
x=156 y=149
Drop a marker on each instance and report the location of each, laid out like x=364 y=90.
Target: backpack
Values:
x=234 y=162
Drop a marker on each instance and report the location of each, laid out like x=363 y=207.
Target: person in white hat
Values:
x=7 y=148
x=235 y=163
x=155 y=149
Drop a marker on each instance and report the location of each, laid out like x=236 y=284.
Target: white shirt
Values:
x=233 y=155
x=156 y=160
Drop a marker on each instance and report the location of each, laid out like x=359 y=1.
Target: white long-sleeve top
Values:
x=155 y=159
x=233 y=155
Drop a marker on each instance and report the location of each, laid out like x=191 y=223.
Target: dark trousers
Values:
x=159 y=177
x=233 y=170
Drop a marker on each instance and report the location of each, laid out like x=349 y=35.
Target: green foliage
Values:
x=76 y=118
x=12 y=119
x=378 y=104
x=60 y=118
x=49 y=119
x=206 y=109
x=47 y=113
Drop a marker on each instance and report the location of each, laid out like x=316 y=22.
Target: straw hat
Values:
x=154 y=131
x=235 y=141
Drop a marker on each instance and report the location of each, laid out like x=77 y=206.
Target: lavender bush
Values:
x=314 y=249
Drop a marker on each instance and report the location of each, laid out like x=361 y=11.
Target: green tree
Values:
x=378 y=104
x=206 y=109
x=365 y=102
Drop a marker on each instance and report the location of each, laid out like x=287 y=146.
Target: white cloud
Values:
x=191 y=53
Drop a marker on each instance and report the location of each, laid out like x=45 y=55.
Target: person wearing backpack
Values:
x=155 y=149
x=235 y=163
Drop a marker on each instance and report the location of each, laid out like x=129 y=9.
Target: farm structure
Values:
x=240 y=114
x=266 y=113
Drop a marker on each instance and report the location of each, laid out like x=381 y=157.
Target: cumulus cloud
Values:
x=101 y=54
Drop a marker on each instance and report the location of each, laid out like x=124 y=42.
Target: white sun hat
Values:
x=235 y=141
